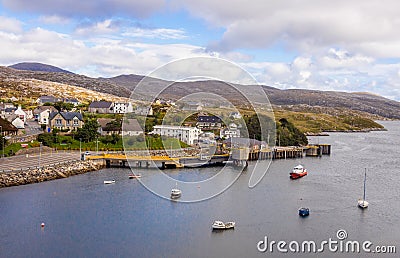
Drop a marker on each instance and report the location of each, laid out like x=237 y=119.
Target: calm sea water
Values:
x=85 y=218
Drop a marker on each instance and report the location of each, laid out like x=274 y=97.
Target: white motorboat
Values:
x=362 y=203
x=221 y=225
x=109 y=182
x=175 y=193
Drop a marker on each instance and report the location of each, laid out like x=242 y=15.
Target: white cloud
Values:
x=54 y=19
x=10 y=25
x=160 y=33
x=362 y=26
x=107 y=26
x=343 y=59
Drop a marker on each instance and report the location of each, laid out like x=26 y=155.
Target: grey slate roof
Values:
x=67 y=115
x=131 y=125
x=48 y=99
x=209 y=119
x=100 y=104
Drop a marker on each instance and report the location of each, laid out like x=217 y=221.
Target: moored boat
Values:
x=362 y=203
x=303 y=212
x=132 y=176
x=175 y=192
x=217 y=225
x=109 y=182
x=297 y=172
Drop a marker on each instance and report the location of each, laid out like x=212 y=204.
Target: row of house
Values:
x=16 y=115
x=108 y=107
x=51 y=99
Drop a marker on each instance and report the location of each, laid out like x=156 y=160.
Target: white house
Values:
x=42 y=114
x=144 y=111
x=235 y=115
x=123 y=107
x=231 y=131
x=21 y=114
x=189 y=135
x=18 y=122
x=192 y=106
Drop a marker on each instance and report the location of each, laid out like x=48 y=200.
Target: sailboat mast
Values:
x=365 y=178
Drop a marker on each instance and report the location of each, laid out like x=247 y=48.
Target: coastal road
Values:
x=32 y=160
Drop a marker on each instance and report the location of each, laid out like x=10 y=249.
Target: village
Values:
x=63 y=123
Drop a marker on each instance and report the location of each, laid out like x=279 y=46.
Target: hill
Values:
x=72 y=79
x=310 y=110
x=38 y=67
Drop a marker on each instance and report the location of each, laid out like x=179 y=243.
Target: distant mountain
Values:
x=359 y=101
x=38 y=67
x=123 y=86
x=99 y=85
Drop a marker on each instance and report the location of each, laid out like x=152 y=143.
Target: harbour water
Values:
x=85 y=218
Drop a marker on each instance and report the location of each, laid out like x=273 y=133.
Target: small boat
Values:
x=221 y=225
x=303 y=212
x=109 y=182
x=132 y=176
x=229 y=225
x=362 y=203
x=297 y=172
x=175 y=192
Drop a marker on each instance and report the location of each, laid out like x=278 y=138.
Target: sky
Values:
x=310 y=44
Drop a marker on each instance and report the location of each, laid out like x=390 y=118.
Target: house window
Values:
x=68 y=122
x=58 y=122
x=76 y=122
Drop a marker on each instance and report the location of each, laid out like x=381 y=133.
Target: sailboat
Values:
x=362 y=203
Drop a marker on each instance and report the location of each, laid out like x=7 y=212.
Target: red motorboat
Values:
x=297 y=172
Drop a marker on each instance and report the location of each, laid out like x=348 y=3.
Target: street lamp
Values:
x=80 y=146
x=40 y=154
x=2 y=139
x=97 y=145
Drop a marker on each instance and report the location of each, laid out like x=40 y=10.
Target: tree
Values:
x=254 y=125
x=47 y=139
x=289 y=135
x=61 y=106
x=88 y=132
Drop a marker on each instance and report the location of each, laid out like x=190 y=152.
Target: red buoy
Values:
x=42 y=225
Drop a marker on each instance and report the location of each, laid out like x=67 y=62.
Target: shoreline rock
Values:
x=48 y=173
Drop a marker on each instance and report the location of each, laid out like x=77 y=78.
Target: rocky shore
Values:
x=48 y=173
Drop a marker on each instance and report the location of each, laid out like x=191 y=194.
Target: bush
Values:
x=46 y=139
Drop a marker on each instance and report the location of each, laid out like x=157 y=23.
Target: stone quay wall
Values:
x=49 y=173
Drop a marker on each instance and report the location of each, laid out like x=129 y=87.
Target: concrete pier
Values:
x=239 y=156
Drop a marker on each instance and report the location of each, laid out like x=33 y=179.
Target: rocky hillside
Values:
x=364 y=102
x=123 y=85
x=93 y=84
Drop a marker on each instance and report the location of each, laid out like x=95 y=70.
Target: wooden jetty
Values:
x=238 y=156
